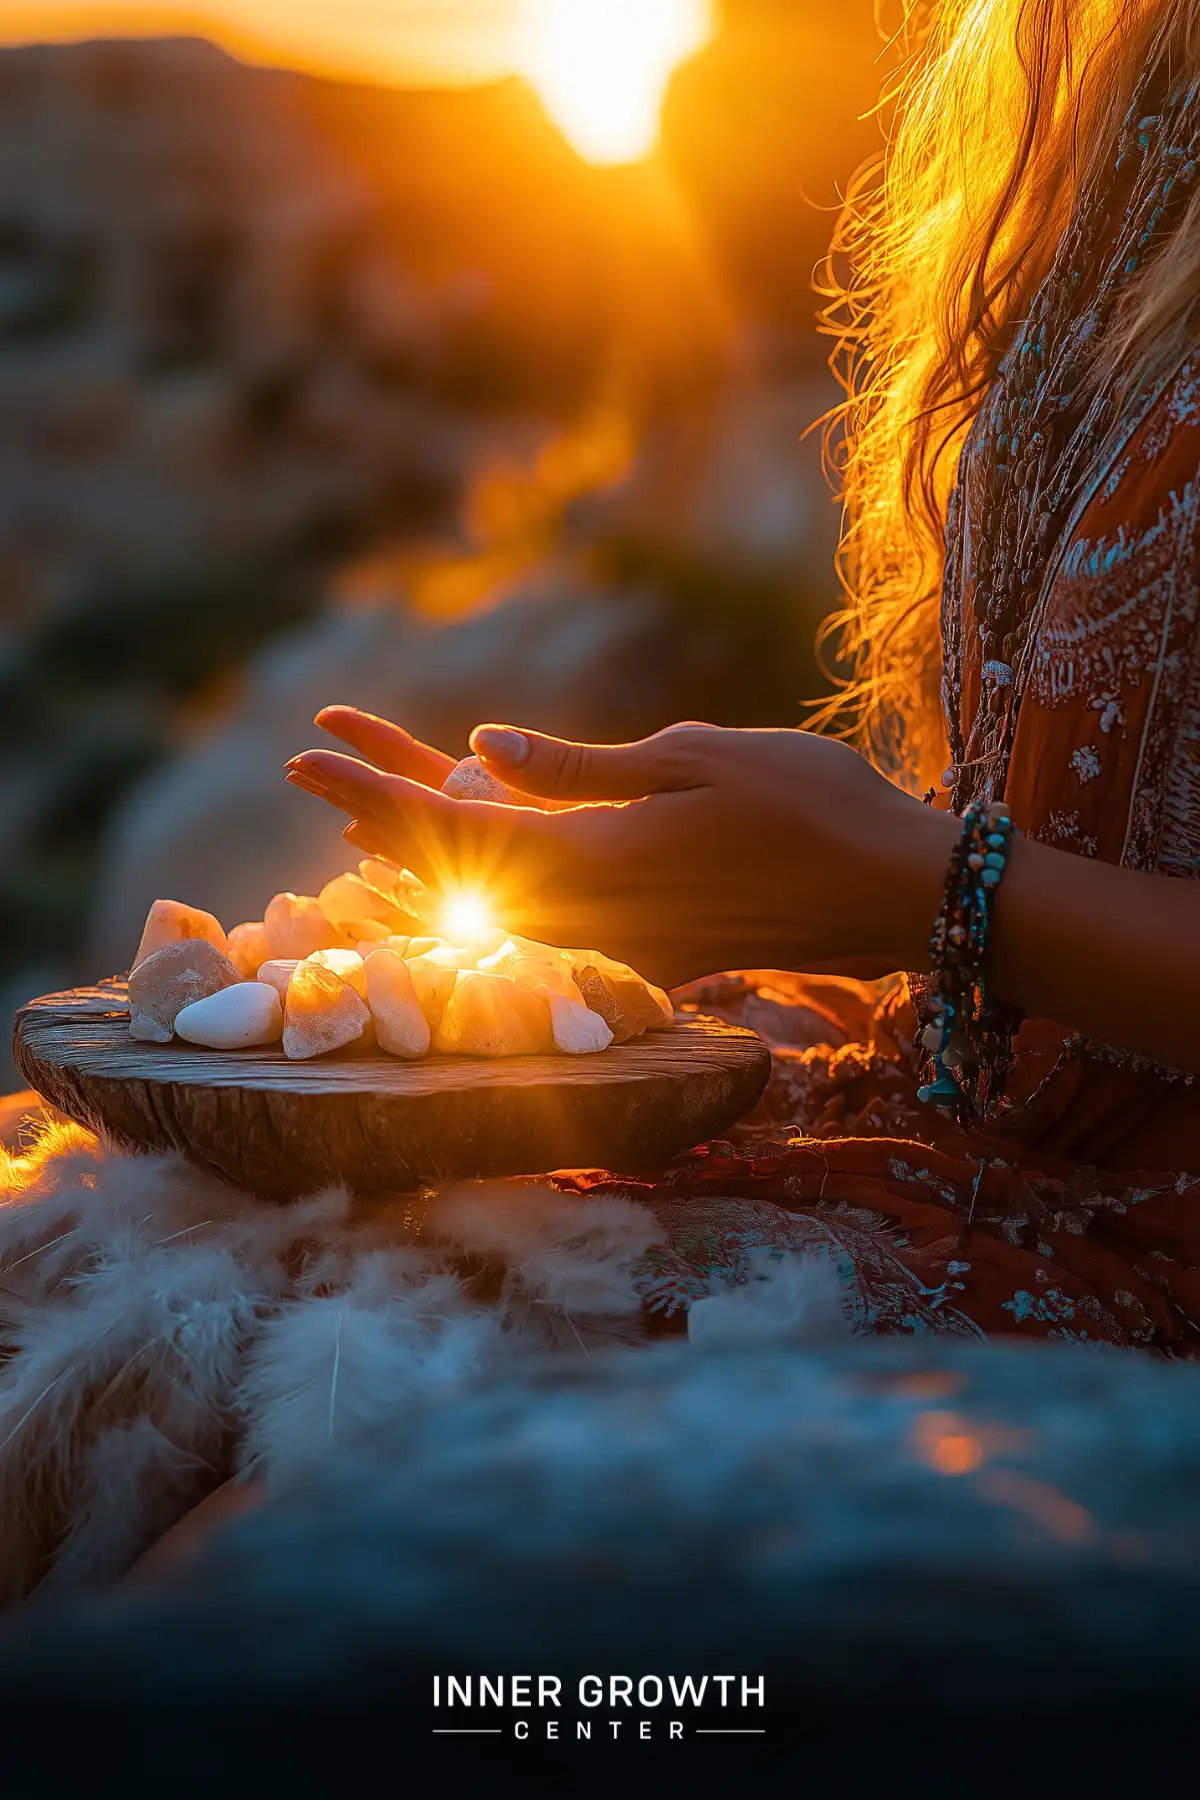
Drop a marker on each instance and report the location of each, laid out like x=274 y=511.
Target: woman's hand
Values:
x=701 y=850
x=694 y=851
x=387 y=746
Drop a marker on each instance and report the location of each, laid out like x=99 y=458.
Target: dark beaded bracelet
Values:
x=968 y=1035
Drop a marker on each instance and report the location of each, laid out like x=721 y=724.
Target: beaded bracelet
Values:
x=968 y=1034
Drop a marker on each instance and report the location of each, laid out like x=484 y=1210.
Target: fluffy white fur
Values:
x=160 y=1331
x=797 y=1297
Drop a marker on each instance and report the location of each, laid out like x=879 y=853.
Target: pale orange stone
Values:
x=433 y=985
x=348 y=965
x=368 y=946
x=296 y=926
x=321 y=1013
x=368 y=931
x=388 y=878
x=278 y=973
x=248 y=948
x=489 y=1015
x=400 y=1026
x=347 y=901
x=171 y=922
x=421 y=946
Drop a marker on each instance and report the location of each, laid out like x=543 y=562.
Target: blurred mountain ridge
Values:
x=255 y=325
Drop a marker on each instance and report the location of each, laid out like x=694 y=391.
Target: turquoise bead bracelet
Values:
x=967 y=1037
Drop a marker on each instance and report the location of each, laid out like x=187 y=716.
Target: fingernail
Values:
x=499 y=743
x=302 y=779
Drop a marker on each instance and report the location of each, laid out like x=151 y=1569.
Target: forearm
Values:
x=1109 y=952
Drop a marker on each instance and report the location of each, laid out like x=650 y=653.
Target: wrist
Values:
x=912 y=858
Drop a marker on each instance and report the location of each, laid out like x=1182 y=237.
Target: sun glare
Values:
x=467 y=919
x=602 y=67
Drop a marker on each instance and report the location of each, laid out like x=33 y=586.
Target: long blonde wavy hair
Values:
x=999 y=111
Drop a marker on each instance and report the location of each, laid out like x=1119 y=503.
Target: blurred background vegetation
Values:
x=438 y=392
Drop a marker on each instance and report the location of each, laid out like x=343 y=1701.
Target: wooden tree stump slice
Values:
x=284 y=1129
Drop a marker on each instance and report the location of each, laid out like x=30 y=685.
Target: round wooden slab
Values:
x=285 y=1128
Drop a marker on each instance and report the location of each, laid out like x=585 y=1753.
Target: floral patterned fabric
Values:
x=1080 y=1219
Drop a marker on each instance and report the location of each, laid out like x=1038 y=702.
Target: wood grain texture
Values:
x=284 y=1129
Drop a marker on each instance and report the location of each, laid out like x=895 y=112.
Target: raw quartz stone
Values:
x=422 y=946
x=433 y=985
x=626 y=1003
x=296 y=926
x=535 y=966
x=546 y=974
x=469 y=780
x=348 y=965
x=277 y=974
x=348 y=902
x=321 y=1013
x=396 y=884
x=248 y=948
x=172 y=978
x=370 y=932
x=633 y=988
x=490 y=1015
x=171 y=922
x=368 y=946
x=450 y=956
x=577 y=1030
x=237 y=1018
x=400 y=1026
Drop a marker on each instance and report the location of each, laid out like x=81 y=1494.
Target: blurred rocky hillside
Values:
x=313 y=392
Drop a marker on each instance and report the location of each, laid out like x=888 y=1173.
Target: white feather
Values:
x=160 y=1330
x=794 y=1296
x=134 y=1483
x=325 y=1368
x=566 y=1267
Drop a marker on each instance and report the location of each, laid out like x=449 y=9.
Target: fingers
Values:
x=388 y=746
x=354 y=786
x=447 y=842
x=555 y=769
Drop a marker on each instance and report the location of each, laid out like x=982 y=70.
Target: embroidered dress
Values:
x=1077 y=1216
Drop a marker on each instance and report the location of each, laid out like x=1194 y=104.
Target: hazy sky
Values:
x=434 y=40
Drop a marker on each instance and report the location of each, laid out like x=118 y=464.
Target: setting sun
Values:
x=602 y=67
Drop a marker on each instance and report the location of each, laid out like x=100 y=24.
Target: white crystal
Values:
x=400 y=1026
x=469 y=780
x=577 y=1032
x=235 y=1019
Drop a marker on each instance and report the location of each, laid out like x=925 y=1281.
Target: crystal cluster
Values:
x=355 y=965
